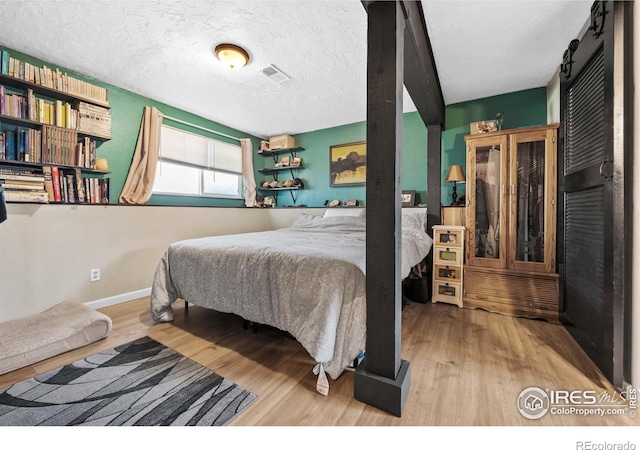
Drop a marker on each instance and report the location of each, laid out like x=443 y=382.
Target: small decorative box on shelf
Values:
x=448 y=260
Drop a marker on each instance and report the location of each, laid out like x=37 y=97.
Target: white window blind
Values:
x=196 y=165
x=182 y=147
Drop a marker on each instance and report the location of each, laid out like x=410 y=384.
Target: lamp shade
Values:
x=454 y=173
x=232 y=56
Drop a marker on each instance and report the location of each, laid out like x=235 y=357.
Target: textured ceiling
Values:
x=163 y=50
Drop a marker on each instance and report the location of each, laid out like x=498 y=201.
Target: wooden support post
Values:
x=434 y=177
x=434 y=188
x=383 y=379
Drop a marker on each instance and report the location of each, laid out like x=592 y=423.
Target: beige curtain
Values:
x=249 y=179
x=142 y=173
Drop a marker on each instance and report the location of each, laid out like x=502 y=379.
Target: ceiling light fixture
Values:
x=232 y=56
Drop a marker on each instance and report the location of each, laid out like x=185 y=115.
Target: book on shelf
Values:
x=31 y=105
x=4 y=63
x=103 y=183
x=19 y=185
x=10 y=145
x=79 y=184
x=55 y=181
x=50 y=78
x=70 y=186
x=20 y=175
x=25 y=196
x=48 y=182
x=59 y=116
x=94 y=119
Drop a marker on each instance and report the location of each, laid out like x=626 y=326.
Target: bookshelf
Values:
x=51 y=125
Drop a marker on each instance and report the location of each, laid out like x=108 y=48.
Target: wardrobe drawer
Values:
x=448 y=238
x=447 y=292
x=447 y=273
x=447 y=256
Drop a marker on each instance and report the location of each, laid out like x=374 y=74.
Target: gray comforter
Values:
x=308 y=279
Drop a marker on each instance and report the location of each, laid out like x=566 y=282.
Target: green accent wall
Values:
x=126 y=115
x=520 y=109
x=315 y=159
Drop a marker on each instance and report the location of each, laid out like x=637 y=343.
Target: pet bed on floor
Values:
x=66 y=326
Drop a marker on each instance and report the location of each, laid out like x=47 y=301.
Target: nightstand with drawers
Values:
x=448 y=260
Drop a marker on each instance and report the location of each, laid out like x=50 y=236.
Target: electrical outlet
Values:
x=95 y=274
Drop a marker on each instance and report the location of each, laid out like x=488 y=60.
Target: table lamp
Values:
x=455 y=175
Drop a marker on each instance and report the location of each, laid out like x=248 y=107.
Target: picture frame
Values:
x=483 y=126
x=348 y=164
x=408 y=198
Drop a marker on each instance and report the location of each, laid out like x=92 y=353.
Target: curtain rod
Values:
x=199 y=127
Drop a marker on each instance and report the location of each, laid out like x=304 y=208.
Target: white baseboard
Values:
x=116 y=299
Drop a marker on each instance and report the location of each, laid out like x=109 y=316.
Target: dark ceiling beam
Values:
x=420 y=73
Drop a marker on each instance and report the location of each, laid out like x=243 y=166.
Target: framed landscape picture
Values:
x=348 y=164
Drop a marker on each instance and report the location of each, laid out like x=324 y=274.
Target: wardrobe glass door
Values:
x=486 y=174
x=532 y=201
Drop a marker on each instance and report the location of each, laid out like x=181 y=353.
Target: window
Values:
x=195 y=165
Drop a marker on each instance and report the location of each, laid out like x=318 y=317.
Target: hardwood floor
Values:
x=468 y=367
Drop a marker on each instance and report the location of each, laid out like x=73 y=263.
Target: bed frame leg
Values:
x=186 y=306
x=246 y=323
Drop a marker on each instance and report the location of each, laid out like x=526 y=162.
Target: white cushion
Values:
x=342 y=211
x=64 y=327
x=414 y=218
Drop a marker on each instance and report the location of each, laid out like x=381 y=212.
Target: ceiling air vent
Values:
x=275 y=74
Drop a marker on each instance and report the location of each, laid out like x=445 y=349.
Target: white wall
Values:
x=553 y=98
x=47 y=251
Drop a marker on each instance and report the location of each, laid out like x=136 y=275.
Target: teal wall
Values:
x=520 y=109
x=126 y=115
x=315 y=158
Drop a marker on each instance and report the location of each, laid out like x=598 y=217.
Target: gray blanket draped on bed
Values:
x=308 y=279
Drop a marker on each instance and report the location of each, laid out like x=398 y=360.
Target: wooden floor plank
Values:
x=467 y=367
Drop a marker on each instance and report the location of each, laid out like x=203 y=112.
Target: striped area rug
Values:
x=141 y=383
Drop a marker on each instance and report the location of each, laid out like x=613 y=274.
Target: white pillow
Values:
x=338 y=211
x=414 y=218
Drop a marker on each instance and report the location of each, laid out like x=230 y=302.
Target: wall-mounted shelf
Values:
x=17 y=121
x=276 y=189
x=274 y=171
x=279 y=151
x=51 y=125
x=50 y=92
x=27 y=182
x=32 y=165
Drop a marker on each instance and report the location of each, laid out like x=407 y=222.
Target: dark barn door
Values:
x=591 y=195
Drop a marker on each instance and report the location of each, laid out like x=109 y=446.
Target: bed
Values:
x=307 y=279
